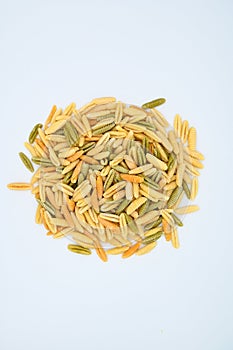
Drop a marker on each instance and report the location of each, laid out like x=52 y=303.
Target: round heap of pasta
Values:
x=112 y=176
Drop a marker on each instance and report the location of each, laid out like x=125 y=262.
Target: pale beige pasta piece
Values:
x=180 y=174
x=180 y=156
x=186 y=210
x=53 y=157
x=173 y=141
x=164 y=140
x=187 y=178
x=148 y=217
x=134 y=111
x=190 y=169
x=157 y=163
x=82 y=237
x=110 y=107
x=160 y=118
x=129 y=190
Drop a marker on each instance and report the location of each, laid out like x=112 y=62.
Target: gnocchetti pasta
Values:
x=112 y=177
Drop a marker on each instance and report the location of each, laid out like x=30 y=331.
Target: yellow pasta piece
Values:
x=194 y=154
x=175 y=238
x=177 y=125
x=103 y=100
x=192 y=138
x=19 y=186
x=146 y=249
x=50 y=116
x=69 y=109
x=135 y=205
x=184 y=131
x=196 y=163
x=54 y=127
x=194 y=188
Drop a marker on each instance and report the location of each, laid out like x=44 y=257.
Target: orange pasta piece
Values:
x=132 y=178
x=131 y=250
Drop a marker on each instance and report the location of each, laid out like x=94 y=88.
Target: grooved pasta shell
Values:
x=165 y=142
x=180 y=174
x=194 y=188
x=187 y=209
x=19 y=186
x=103 y=100
x=146 y=249
x=174 y=238
x=160 y=117
x=131 y=250
x=192 y=135
x=54 y=127
x=135 y=205
x=173 y=141
x=156 y=162
x=117 y=250
x=184 y=131
x=194 y=154
x=26 y=161
x=101 y=253
x=177 y=125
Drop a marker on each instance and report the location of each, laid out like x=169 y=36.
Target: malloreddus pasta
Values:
x=112 y=176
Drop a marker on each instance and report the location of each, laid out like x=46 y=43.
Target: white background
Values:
x=64 y=51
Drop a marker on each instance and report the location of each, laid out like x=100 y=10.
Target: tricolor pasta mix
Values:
x=112 y=177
